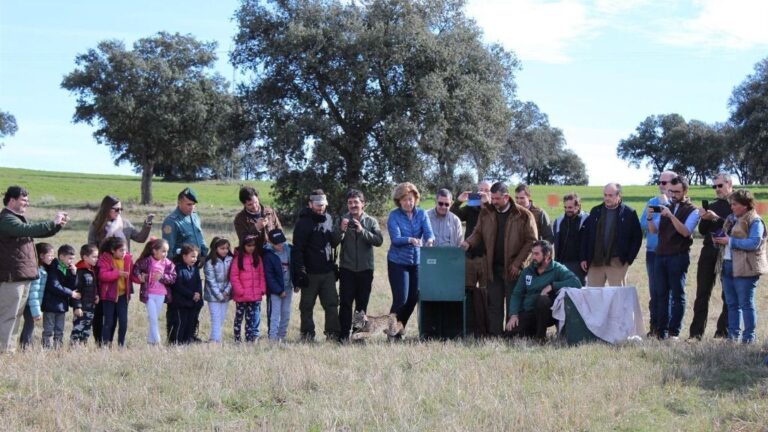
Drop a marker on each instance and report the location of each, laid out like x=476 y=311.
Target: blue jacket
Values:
x=651 y=239
x=58 y=289
x=187 y=283
x=36 y=292
x=401 y=228
x=273 y=272
x=626 y=243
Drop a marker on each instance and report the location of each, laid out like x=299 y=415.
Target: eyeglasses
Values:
x=718 y=186
x=117 y=209
x=674 y=191
x=443 y=204
x=663 y=182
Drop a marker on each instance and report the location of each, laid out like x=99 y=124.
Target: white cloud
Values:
x=535 y=30
x=739 y=24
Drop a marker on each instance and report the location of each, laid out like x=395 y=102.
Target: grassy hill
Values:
x=447 y=386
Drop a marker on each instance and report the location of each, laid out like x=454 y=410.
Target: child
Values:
x=248 y=287
x=218 y=289
x=59 y=288
x=115 y=288
x=156 y=273
x=32 y=310
x=277 y=263
x=86 y=283
x=186 y=292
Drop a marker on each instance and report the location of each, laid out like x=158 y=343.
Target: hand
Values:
x=148 y=220
x=142 y=277
x=358 y=225
x=464 y=245
x=157 y=276
x=37 y=318
x=512 y=323
x=514 y=272
x=76 y=295
x=96 y=300
x=666 y=212
x=547 y=289
x=260 y=224
x=463 y=197
x=708 y=215
x=296 y=289
x=721 y=240
x=484 y=197
x=124 y=273
x=196 y=297
x=430 y=242
x=78 y=312
x=61 y=218
x=584 y=266
x=414 y=241
x=283 y=294
x=73 y=268
x=344 y=224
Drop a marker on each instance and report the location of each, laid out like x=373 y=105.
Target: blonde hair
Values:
x=404 y=189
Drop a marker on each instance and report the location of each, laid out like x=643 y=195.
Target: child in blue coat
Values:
x=32 y=310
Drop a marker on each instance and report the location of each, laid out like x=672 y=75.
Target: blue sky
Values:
x=597 y=68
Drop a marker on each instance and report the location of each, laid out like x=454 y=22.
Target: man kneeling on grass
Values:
x=530 y=304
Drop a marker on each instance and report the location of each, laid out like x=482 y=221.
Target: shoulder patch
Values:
x=167 y=229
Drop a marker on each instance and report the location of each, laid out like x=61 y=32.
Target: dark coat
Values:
x=626 y=242
x=188 y=282
x=86 y=283
x=58 y=288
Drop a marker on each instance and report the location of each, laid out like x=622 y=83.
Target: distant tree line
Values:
x=701 y=150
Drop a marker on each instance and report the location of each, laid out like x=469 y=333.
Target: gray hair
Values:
x=726 y=177
x=445 y=193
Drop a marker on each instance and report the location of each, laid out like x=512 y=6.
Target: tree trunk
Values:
x=147 y=171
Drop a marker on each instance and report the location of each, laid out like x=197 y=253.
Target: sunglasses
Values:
x=718 y=186
x=117 y=209
x=443 y=204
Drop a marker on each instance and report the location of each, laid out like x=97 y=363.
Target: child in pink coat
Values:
x=248 y=287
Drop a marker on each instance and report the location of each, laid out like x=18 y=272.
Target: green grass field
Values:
x=446 y=386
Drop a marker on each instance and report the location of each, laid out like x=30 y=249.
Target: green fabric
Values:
x=530 y=283
x=12 y=226
x=357 y=248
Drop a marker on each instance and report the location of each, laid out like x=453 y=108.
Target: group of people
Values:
x=516 y=262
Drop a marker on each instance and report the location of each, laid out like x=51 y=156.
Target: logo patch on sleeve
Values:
x=528 y=279
x=167 y=229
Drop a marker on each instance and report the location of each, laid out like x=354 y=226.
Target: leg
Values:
x=174 y=320
x=250 y=316
x=306 y=307
x=347 y=292
x=274 y=311
x=596 y=276
x=363 y=286
x=476 y=285
x=496 y=305
x=616 y=273
x=13 y=300
x=58 y=330
x=285 y=315
x=678 y=271
x=732 y=299
x=108 y=310
x=650 y=257
x=76 y=336
x=122 y=315
x=87 y=321
x=662 y=296
x=412 y=297
x=745 y=290
x=257 y=319
x=98 y=322
x=28 y=331
x=543 y=316
x=705 y=281
x=398 y=284
x=526 y=325
x=49 y=321
x=218 y=311
x=154 y=306
x=239 y=315
x=329 y=299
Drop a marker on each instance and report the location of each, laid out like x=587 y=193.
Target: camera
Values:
x=473 y=200
x=705 y=204
x=655 y=208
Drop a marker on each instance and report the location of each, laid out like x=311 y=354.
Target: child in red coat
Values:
x=115 y=288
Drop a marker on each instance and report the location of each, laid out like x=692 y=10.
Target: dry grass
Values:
x=466 y=385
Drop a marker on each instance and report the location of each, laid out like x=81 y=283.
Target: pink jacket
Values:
x=248 y=285
x=108 y=275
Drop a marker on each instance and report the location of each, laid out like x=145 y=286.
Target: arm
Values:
x=184 y=285
x=54 y=283
x=92 y=235
x=12 y=226
x=636 y=236
x=169 y=273
x=37 y=287
x=516 y=299
x=426 y=226
x=459 y=210
x=274 y=273
x=213 y=285
x=107 y=271
x=373 y=234
x=337 y=235
x=529 y=236
x=77 y=303
x=395 y=233
x=458 y=235
x=565 y=279
x=751 y=243
x=170 y=232
x=644 y=218
x=132 y=233
x=546 y=228
x=234 y=277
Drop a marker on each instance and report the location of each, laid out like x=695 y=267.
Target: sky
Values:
x=597 y=68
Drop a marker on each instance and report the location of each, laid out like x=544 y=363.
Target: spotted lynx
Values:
x=364 y=326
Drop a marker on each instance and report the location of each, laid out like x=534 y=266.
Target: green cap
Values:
x=189 y=194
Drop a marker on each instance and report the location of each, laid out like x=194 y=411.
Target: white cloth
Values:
x=611 y=313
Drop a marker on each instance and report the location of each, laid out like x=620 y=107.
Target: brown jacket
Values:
x=519 y=237
x=748 y=263
x=18 y=259
x=245 y=225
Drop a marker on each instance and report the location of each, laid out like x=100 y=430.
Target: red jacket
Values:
x=108 y=275
x=249 y=284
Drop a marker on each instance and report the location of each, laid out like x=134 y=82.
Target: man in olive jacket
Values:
x=508 y=231
x=357 y=233
x=530 y=305
x=18 y=260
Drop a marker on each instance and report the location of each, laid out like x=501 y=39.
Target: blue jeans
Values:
x=404 y=281
x=650 y=262
x=670 y=272
x=740 y=298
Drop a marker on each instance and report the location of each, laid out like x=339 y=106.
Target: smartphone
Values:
x=718 y=233
x=473 y=200
x=149 y=218
x=656 y=209
x=705 y=204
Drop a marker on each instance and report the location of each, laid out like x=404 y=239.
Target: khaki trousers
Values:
x=615 y=274
x=13 y=298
